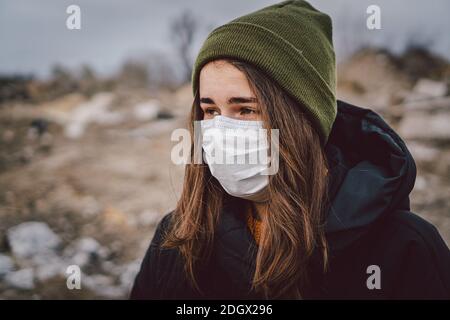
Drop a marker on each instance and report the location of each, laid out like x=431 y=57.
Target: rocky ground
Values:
x=83 y=181
x=86 y=190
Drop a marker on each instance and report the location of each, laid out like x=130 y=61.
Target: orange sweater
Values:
x=254 y=226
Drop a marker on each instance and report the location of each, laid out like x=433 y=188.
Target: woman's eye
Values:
x=211 y=111
x=248 y=111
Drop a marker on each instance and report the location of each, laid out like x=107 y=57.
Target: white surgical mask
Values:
x=236 y=152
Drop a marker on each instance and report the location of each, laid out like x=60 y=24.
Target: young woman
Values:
x=332 y=222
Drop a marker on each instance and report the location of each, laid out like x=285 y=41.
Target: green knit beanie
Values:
x=292 y=43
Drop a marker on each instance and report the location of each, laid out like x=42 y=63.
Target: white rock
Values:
x=103 y=286
x=112 y=268
x=83 y=251
x=88 y=245
x=42 y=259
x=22 y=279
x=422 y=126
x=153 y=129
x=427 y=88
x=94 y=281
x=49 y=267
x=81 y=259
x=426 y=105
x=423 y=152
x=129 y=273
x=145 y=218
x=32 y=238
x=46 y=265
x=146 y=110
x=6 y=264
x=111 y=292
x=95 y=110
x=421 y=183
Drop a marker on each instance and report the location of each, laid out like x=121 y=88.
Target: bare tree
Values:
x=183 y=30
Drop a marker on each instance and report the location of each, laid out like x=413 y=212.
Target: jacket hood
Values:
x=371 y=175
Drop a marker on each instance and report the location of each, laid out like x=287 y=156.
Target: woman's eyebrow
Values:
x=207 y=100
x=242 y=100
x=232 y=100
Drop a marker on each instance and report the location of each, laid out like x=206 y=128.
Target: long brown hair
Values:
x=293 y=226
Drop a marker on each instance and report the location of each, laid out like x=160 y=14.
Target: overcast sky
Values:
x=33 y=33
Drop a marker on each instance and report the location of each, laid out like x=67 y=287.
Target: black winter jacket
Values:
x=370 y=230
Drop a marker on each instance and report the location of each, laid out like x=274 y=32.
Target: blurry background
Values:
x=86 y=117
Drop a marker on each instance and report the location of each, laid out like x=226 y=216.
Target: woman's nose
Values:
x=229 y=113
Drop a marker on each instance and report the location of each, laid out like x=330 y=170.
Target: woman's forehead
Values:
x=222 y=79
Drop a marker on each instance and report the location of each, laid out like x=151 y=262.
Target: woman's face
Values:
x=224 y=90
